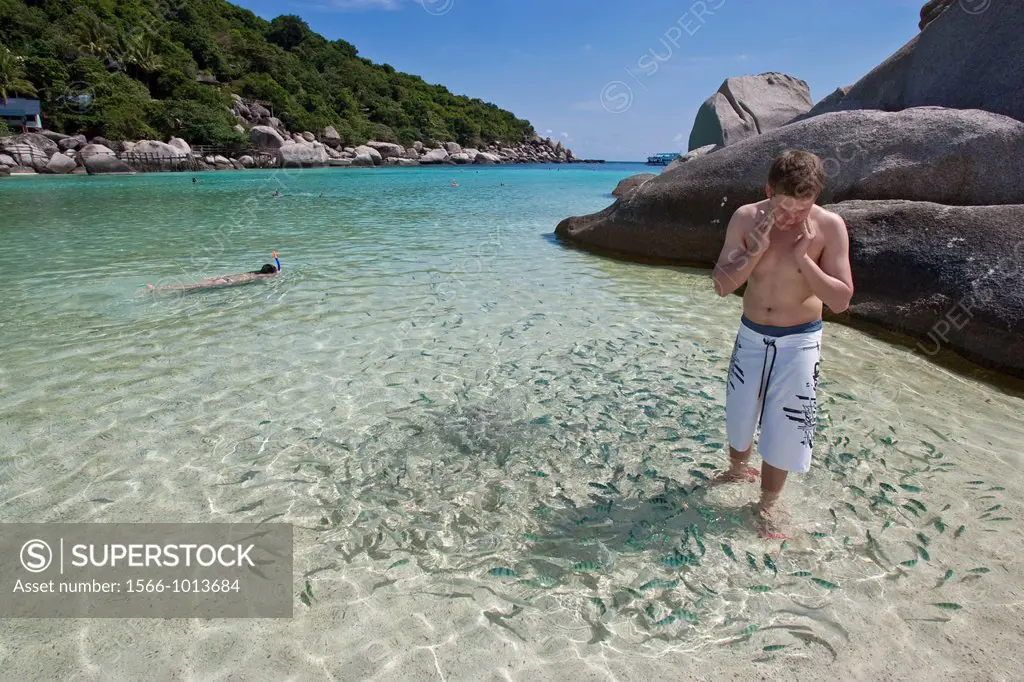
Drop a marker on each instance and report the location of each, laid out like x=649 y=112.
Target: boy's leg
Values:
x=789 y=419
x=741 y=407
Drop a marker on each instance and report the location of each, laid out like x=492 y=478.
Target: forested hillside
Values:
x=134 y=69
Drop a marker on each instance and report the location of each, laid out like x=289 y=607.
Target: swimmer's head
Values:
x=267 y=269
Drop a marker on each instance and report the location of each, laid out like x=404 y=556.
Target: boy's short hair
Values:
x=797 y=173
x=267 y=269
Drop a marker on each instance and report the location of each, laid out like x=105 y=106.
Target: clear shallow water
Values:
x=483 y=438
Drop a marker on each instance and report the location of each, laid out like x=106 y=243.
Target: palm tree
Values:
x=12 y=76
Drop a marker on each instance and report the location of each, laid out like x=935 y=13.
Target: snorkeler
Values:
x=266 y=271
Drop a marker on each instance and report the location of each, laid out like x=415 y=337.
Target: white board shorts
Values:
x=773 y=383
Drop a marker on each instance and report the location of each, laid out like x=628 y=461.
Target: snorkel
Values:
x=278 y=262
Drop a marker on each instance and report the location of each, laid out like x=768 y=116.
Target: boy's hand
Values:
x=759 y=237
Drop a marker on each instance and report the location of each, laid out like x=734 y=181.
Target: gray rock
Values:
x=330 y=137
x=434 y=156
x=71 y=143
x=946 y=156
x=341 y=162
x=53 y=137
x=935 y=69
x=362 y=159
x=948 y=276
x=7 y=160
x=461 y=158
x=239 y=129
x=931 y=11
x=127 y=146
x=246 y=161
x=418 y=146
x=259 y=111
x=27 y=155
x=747 y=106
x=308 y=136
x=629 y=184
x=487 y=158
x=60 y=164
x=334 y=154
x=371 y=152
x=301 y=155
x=349 y=150
x=412 y=153
x=265 y=137
x=452 y=147
x=5 y=172
x=387 y=149
x=297 y=138
x=180 y=145
x=236 y=164
x=275 y=123
x=99 y=159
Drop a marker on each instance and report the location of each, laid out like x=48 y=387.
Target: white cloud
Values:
x=549 y=131
x=678 y=138
x=565 y=134
x=742 y=57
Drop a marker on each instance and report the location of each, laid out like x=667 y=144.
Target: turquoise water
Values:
x=484 y=439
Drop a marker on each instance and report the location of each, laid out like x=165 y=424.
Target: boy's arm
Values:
x=742 y=250
x=832 y=280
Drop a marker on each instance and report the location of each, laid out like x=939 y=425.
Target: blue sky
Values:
x=584 y=69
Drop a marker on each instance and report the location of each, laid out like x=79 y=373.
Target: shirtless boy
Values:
x=267 y=270
x=794 y=257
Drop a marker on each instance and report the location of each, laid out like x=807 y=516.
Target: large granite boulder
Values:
x=31 y=150
x=180 y=144
x=946 y=156
x=949 y=276
x=265 y=137
x=361 y=159
x=75 y=142
x=258 y=111
x=747 y=106
x=99 y=159
x=301 y=155
x=461 y=158
x=452 y=147
x=434 y=156
x=931 y=11
x=691 y=155
x=371 y=152
x=487 y=158
x=629 y=184
x=7 y=160
x=387 y=150
x=970 y=56
x=330 y=137
x=59 y=164
x=150 y=154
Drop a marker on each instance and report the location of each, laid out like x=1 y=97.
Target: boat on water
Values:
x=662 y=159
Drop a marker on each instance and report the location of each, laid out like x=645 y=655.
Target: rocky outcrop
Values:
x=631 y=183
x=7 y=160
x=691 y=155
x=301 y=155
x=747 y=106
x=434 y=156
x=30 y=150
x=180 y=144
x=931 y=11
x=330 y=137
x=945 y=156
x=362 y=159
x=59 y=164
x=387 y=150
x=99 y=160
x=69 y=143
x=371 y=152
x=936 y=69
x=948 y=276
x=266 y=137
x=486 y=158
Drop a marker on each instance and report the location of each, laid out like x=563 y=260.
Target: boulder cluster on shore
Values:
x=923 y=156
x=271 y=146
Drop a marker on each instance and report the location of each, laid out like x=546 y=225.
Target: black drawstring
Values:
x=763 y=387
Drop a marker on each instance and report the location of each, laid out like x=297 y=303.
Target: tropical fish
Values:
x=994 y=508
x=600 y=604
x=923 y=538
x=801 y=574
x=658 y=582
x=502 y=572
x=850 y=507
x=773 y=647
x=909 y=563
x=1001 y=518
x=824 y=583
x=947 y=576
x=911 y=509
x=400 y=562
x=760 y=588
x=670 y=618
x=939 y=525
x=539 y=474
x=947 y=605
x=752 y=561
x=697 y=473
x=886 y=487
x=910 y=488
x=981 y=569
x=818 y=534
x=586 y=566
x=770 y=565
x=959 y=531
x=923 y=552
x=728 y=551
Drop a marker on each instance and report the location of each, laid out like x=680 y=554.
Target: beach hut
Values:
x=21 y=113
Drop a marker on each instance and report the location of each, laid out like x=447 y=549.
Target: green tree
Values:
x=12 y=76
